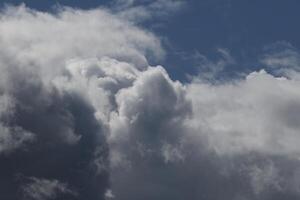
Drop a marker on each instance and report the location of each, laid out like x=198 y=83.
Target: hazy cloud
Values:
x=43 y=189
x=141 y=10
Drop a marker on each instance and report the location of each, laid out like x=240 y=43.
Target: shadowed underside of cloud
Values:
x=84 y=116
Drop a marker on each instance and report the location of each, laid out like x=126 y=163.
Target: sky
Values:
x=149 y=99
x=244 y=28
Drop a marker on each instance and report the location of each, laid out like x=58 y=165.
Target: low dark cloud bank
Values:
x=48 y=141
x=83 y=115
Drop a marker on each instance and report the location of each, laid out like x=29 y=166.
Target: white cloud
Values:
x=259 y=113
x=27 y=36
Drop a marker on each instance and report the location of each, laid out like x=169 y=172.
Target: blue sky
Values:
x=242 y=27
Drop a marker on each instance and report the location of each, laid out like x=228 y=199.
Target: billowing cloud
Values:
x=259 y=113
x=84 y=116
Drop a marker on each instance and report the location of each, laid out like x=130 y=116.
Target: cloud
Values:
x=264 y=177
x=109 y=194
x=43 y=189
x=211 y=70
x=281 y=55
x=258 y=113
x=82 y=112
x=50 y=128
x=282 y=58
x=149 y=114
x=12 y=138
x=143 y=10
x=74 y=34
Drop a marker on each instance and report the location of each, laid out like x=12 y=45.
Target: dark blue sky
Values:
x=243 y=27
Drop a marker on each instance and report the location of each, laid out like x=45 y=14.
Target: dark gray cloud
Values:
x=65 y=135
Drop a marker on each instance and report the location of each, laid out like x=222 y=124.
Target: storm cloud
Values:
x=83 y=115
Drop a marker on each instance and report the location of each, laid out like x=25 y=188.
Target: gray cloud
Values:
x=43 y=189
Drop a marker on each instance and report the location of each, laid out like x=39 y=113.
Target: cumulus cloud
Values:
x=84 y=115
x=259 y=113
x=149 y=114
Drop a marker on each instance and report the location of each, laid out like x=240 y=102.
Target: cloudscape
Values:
x=104 y=100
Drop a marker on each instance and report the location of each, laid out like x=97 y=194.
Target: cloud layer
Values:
x=84 y=116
